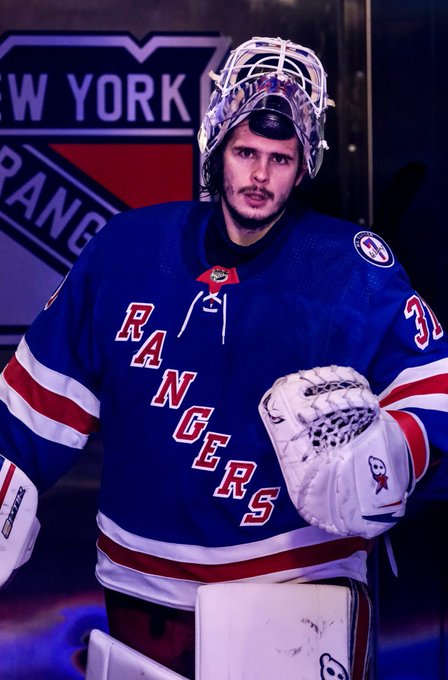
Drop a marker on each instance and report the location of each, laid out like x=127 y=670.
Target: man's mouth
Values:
x=257 y=195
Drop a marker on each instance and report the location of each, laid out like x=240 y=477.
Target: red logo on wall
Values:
x=91 y=124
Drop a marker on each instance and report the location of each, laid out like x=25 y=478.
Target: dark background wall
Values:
x=387 y=72
x=410 y=143
x=410 y=109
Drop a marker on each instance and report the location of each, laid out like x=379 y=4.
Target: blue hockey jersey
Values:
x=169 y=354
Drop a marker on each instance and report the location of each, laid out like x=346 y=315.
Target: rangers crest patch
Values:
x=373 y=249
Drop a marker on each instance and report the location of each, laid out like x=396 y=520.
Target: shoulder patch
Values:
x=373 y=249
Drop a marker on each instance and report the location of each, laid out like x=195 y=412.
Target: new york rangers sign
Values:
x=90 y=124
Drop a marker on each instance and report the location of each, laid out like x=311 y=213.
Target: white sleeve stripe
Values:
x=415 y=374
x=429 y=402
x=57 y=382
x=39 y=424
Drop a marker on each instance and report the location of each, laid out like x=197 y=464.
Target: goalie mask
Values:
x=281 y=86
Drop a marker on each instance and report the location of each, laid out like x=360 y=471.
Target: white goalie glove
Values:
x=344 y=459
x=19 y=525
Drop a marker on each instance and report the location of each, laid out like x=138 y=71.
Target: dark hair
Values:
x=213 y=173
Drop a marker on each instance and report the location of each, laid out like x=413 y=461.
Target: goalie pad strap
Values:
x=361 y=615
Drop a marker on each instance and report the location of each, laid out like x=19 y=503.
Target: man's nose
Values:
x=260 y=171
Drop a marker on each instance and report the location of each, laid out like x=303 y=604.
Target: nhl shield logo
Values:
x=90 y=125
x=219 y=275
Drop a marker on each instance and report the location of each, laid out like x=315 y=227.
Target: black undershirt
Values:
x=220 y=250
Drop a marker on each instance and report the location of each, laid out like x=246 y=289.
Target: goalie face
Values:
x=267 y=78
x=259 y=175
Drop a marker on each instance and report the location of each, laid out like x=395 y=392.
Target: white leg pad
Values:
x=272 y=631
x=109 y=659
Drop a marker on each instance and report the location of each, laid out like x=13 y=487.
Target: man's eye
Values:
x=280 y=160
x=246 y=153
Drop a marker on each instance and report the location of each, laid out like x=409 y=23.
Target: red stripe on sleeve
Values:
x=436 y=384
x=415 y=438
x=6 y=482
x=54 y=406
x=214 y=573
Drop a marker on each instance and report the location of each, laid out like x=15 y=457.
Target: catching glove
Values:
x=344 y=459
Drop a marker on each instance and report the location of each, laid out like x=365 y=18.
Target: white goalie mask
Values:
x=276 y=76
